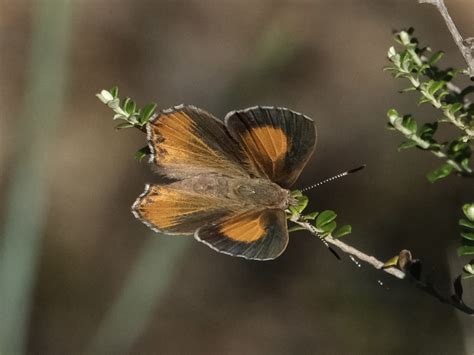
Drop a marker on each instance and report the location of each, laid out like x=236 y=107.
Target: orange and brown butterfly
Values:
x=231 y=177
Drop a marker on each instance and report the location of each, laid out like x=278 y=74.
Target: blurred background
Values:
x=80 y=275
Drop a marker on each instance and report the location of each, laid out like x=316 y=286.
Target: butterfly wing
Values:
x=171 y=209
x=186 y=141
x=224 y=224
x=253 y=234
x=276 y=140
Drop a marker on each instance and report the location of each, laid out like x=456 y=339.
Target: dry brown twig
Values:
x=347 y=249
x=466 y=46
x=403 y=263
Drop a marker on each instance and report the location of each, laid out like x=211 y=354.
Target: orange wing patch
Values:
x=277 y=141
x=245 y=228
x=254 y=234
x=175 y=211
x=178 y=145
x=268 y=145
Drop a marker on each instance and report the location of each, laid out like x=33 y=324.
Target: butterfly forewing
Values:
x=186 y=141
x=278 y=141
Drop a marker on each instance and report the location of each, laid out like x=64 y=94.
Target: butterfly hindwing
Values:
x=171 y=209
x=186 y=141
x=253 y=234
x=278 y=141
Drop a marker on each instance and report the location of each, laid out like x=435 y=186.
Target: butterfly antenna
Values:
x=335 y=177
x=326 y=244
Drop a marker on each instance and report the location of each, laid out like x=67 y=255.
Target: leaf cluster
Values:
x=127 y=111
x=417 y=65
x=467 y=235
x=324 y=222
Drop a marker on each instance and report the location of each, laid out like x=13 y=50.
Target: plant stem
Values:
x=426 y=145
x=352 y=251
x=379 y=265
x=466 y=50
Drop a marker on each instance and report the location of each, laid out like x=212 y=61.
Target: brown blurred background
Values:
x=81 y=275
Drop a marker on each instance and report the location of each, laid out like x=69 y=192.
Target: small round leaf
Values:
x=325 y=217
x=344 y=230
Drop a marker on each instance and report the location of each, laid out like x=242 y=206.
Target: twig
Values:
x=353 y=251
x=454 y=301
x=465 y=47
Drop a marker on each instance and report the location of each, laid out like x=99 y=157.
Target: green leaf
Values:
x=146 y=112
x=468 y=235
x=295 y=228
x=458 y=146
x=393 y=116
x=442 y=172
x=409 y=123
x=406 y=145
x=125 y=103
x=435 y=86
x=453 y=108
x=428 y=130
x=465 y=164
x=293 y=210
x=124 y=125
x=344 y=230
x=392 y=262
x=435 y=57
x=325 y=217
x=465 y=223
x=129 y=106
x=310 y=216
x=423 y=100
x=468 y=210
x=114 y=92
x=329 y=227
x=466 y=250
x=296 y=193
x=301 y=204
x=142 y=153
x=408 y=89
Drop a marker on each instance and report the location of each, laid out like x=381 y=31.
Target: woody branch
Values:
x=466 y=46
x=379 y=265
x=353 y=251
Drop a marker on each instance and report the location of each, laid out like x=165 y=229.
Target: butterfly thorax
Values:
x=242 y=191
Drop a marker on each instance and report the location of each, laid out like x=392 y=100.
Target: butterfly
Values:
x=231 y=178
